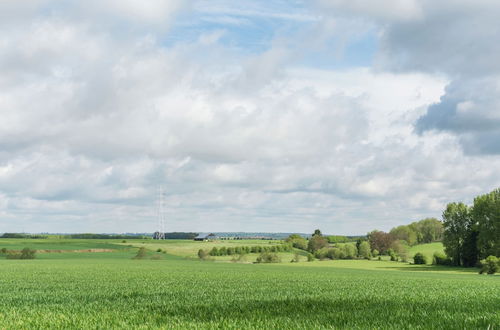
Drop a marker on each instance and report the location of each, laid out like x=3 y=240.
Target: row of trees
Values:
x=472 y=233
x=420 y=232
x=227 y=251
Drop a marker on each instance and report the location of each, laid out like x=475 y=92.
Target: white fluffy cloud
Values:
x=93 y=118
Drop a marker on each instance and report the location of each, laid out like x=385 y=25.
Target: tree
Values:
x=459 y=234
x=364 y=250
x=405 y=233
x=317 y=232
x=297 y=241
x=486 y=214
x=316 y=242
x=380 y=240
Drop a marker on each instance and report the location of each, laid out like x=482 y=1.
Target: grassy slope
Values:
x=427 y=249
x=109 y=290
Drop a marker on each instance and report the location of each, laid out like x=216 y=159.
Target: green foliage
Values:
x=375 y=253
x=333 y=239
x=296 y=257
x=141 y=253
x=442 y=259
x=268 y=257
x=419 y=259
x=203 y=254
x=317 y=232
x=316 y=243
x=17 y=235
x=310 y=257
x=459 y=235
x=490 y=265
x=25 y=253
x=486 y=214
x=297 y=241
x=399 y=249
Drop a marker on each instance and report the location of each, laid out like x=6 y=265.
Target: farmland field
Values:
x=111 y=290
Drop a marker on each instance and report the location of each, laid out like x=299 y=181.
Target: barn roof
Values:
x=204 y=235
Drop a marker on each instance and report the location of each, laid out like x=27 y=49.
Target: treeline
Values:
x=472 y=233
x=228 y=251
x=319 y=246
x=104 y=236
x=18 y=235
x=420 y=232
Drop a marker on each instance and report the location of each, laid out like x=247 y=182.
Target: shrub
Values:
x=394 y=256
x=214 y=251
x=202 y=254
x=490 y=265
x=241 y=258
x=159 y=250
x=336 y=253
x=267 y=257
x=3 y=250
x=419 y=259
x=310 y=257
x=296 y=258
x=375 y=253
x=141 y=254
x=440 y=258
x=25 y=253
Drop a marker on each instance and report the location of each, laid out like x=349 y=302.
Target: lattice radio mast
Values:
x=161 y=214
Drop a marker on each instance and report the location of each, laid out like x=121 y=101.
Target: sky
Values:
x=261 y=115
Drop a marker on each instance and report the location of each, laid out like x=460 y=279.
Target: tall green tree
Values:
x=486 y=213
x=459 y=234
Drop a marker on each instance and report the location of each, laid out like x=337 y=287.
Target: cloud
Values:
x=94 y=117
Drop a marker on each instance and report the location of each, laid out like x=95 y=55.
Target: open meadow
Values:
x=112 y=290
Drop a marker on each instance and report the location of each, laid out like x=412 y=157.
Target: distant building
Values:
x=205 y=237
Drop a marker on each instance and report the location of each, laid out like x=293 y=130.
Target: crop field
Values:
x=111 y=290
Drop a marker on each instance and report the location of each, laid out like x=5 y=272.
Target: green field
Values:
x=111 y=290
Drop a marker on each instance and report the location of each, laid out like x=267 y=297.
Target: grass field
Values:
x=110 y=290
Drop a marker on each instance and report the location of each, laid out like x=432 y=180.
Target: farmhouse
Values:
x=205 y=237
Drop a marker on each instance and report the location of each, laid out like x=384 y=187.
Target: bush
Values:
x=419 y=259
x=159 y=250
x=141 y=254
x=440 y=258
x=214 y=251
x=202 y=254
x=375 y=253
x=310 y=257
x=3 y=250
x=267 y=257
x=296 y=258
x=25 y=253
x=490 y=265
x=394 y=256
